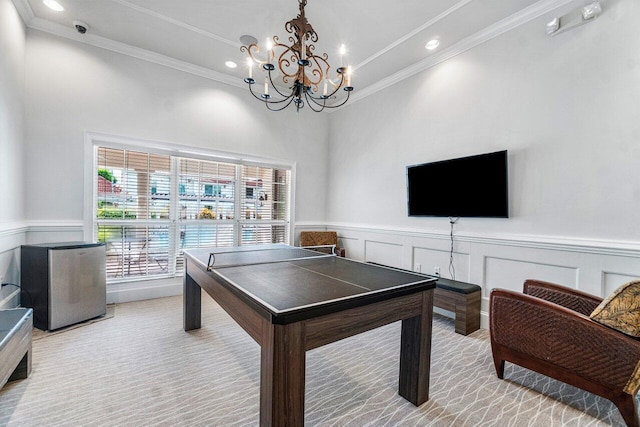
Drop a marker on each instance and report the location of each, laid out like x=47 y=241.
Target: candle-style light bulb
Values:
x=325 y=87
x=266 y=86
x=269 y=45
x=250 y=65
x=343 y=50
x=349 y=76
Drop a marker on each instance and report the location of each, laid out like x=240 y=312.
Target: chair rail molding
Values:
x=55 y=226
x=493 y=260
x=560 y=243
x=12 y=228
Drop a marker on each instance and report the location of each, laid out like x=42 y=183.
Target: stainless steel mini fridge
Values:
x=64 y=283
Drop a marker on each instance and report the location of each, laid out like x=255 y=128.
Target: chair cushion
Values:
x=315 y=238
x=621 y=309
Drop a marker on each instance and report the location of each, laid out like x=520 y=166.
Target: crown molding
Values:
x=24 y=9
x=135 y=52
x=411 y=34
x=507 y=24
x=519 y=18
x=176 y=22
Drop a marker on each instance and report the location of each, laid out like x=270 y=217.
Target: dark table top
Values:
x=286 y=280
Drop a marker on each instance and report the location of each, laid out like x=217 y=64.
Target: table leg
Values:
x=282 y=369
x=415 y=353
x=191 y=304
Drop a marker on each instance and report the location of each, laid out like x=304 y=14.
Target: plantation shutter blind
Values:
x=150 y=207
x=132 y=215
x=262 y=203
x=207 y=203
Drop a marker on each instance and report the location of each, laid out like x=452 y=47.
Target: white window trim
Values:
x=94 y=139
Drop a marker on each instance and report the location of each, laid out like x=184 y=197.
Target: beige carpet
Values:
x=40 y=334
x=140 y=368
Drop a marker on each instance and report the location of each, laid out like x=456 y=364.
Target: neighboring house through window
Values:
x=151 y=206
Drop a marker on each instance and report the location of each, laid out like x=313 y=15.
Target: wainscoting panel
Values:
x=511 y=273
x=596 y=267
x=352 y=246
x=383 y=253
x=426 y=261
x=11 y=237
x=611 y=281
x=505 y=261
x=49 y=232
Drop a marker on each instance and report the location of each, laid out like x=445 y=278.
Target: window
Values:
x=265 y=192
x=150 y=207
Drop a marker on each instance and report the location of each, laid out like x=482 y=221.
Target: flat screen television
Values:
x=475 y=186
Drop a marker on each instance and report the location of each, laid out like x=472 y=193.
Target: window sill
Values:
x=138 y=289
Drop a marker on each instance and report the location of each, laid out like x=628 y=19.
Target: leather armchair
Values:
x=318 y=239
x=547 y=329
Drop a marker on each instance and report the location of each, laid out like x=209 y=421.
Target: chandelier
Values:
x=302 y=71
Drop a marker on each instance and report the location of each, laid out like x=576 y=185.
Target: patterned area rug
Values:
x=141 y=369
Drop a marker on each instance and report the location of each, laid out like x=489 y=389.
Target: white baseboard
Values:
x=148 y=289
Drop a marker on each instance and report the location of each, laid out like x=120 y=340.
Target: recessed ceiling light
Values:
x=231 y=64
x=432 y=44
x=53 y=5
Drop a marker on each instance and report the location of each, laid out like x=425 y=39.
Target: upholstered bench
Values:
x=460 y=297
x=16 y=327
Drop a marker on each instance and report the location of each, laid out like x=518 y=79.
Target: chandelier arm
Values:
x=266 y=101
x=337 y=88
x=313 y=73
x=341 y=104
x=288 y=98
x=283 y=62
x=249 y=50
x=254 y=95
x=311 y=100
x=317 y=70
x=276 y=89
x=267 y=104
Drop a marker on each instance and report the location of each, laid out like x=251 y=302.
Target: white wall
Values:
x=12 y=51
x=565 y=107
x=73 y=88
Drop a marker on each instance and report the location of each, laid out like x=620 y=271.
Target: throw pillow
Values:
x=621 y=310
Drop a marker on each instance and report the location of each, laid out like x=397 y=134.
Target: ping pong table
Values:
x=290 y=300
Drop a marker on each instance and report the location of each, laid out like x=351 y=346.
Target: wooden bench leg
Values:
x=468 y=313
x=23 y=370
